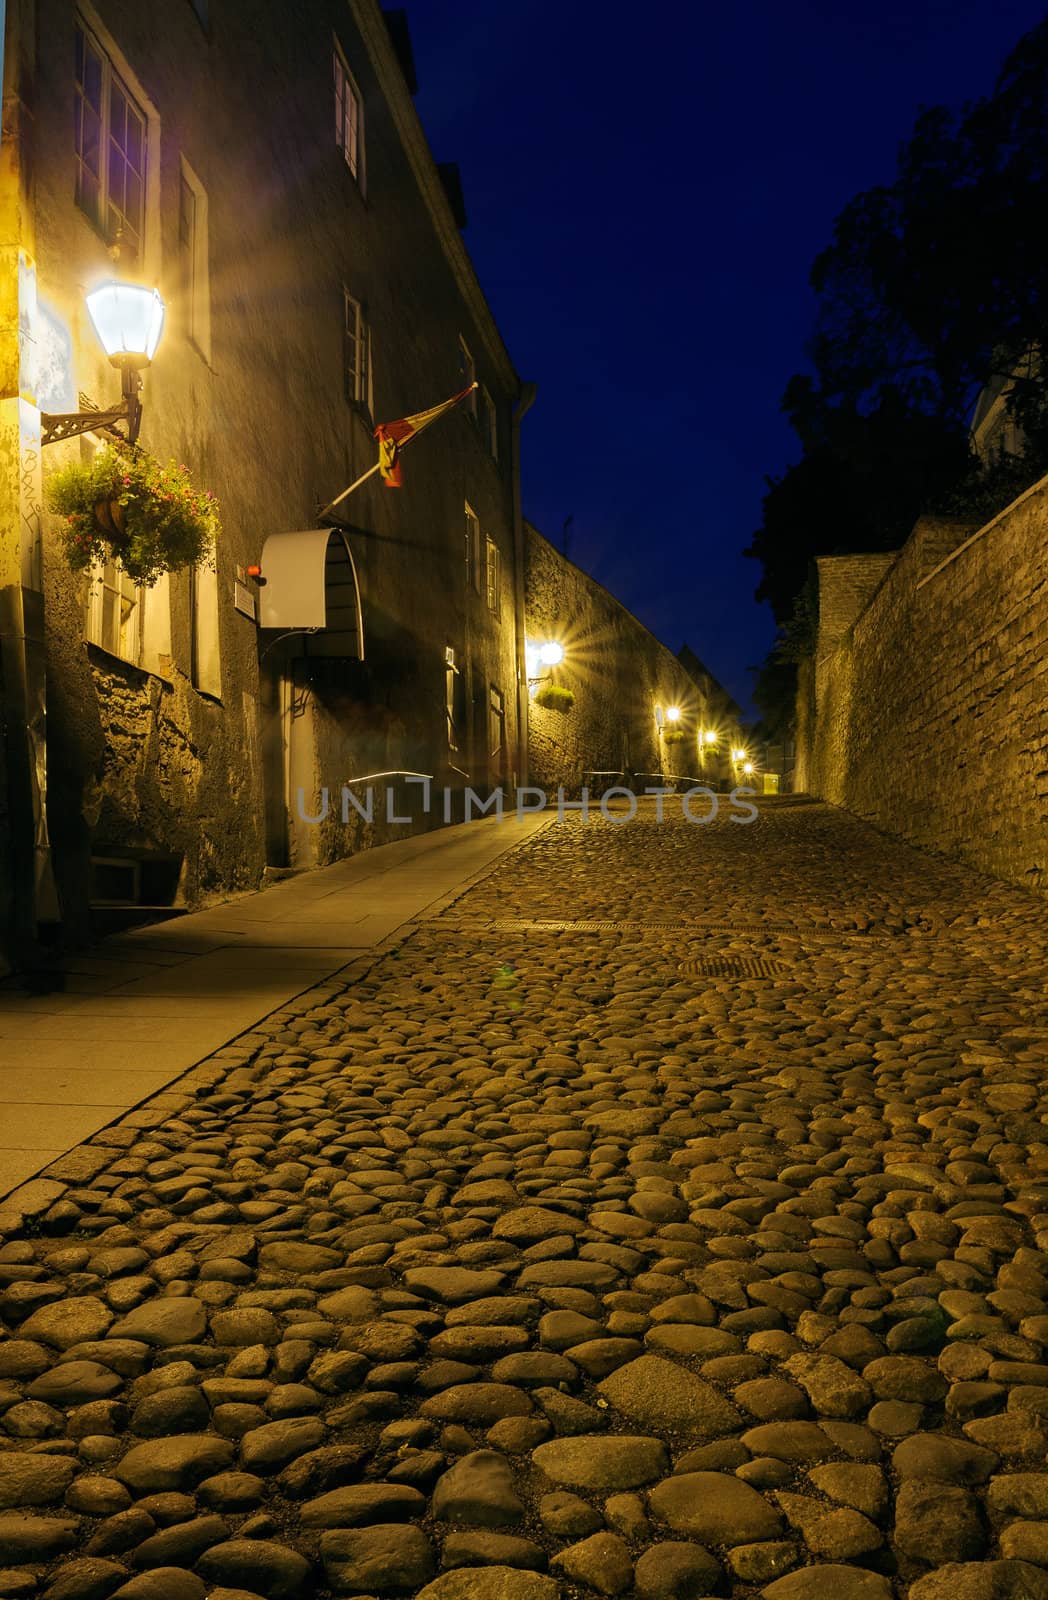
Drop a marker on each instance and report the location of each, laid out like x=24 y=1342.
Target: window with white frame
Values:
x=194 y=282
x=206 y=663
x=472 y=548
x=467 y=373
x=357 y=353
x=349 y=117
x=114 y=612
x=493 y=578
x=488 y=419
x=110 y=138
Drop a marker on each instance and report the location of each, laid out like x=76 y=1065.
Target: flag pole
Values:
x=401 y=445
x=328 y=509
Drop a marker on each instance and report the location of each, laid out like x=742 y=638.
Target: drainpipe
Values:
x=27 y=895
x=525 y=400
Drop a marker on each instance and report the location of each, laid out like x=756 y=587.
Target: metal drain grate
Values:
x=731 y=967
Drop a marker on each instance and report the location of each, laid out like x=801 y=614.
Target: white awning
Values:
x=297 y=592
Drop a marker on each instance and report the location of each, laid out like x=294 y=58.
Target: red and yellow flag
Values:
x=391 y=435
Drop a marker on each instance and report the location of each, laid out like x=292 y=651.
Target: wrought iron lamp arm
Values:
x=55 y=426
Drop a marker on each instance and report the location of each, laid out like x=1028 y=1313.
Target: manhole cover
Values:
x=731 y=967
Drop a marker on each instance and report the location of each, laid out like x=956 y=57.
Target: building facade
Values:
x=637 y=714
x=265 y=169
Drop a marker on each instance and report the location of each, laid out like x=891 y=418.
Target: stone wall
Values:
x=927 y=712
x=619 y=674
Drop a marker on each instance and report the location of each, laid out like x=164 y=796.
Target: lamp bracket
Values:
x=55 y=427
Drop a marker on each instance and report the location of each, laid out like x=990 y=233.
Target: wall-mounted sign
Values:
x=244 y=600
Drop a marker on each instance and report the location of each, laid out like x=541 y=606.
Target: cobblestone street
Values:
x=662 y=1217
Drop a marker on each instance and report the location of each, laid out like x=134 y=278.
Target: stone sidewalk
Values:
x=139 y=1009
x=662 y=1216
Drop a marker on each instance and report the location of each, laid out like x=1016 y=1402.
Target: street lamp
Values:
x=709 y=737
x=673 y=713
x=551 y=654
x=128 y=320
x=738 y=755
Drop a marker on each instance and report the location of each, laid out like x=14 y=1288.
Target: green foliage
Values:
x=167 y=523
x=932 y=287
x=990 y=486
x=552 y=697
x=673 y=736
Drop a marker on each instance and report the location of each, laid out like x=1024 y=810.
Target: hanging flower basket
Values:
x=674 y=736
x=554 y=698
x=126 y=506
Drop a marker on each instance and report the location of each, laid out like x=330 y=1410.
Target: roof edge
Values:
x=368 y=17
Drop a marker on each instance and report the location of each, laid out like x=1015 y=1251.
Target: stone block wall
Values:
x=619 y=673
x=927 y=712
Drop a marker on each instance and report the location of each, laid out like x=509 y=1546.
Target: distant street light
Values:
x=673 y=713
x=128 y=320
x=709 y=737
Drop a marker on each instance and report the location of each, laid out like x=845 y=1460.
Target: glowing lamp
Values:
x=709 y=737
x=747 y=767
x=551 y=654
x=128 y=320
x=738 y=755
x=673 y=713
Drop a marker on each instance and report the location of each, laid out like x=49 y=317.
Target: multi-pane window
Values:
x=110 y=136
x=472 y=548
x=488 y=419
x=114 y=612
x=494 y=598
x=357 y=353
x=349 y=118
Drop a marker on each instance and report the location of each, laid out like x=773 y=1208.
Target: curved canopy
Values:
x=311 y=582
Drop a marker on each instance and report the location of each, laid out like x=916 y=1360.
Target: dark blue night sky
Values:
x=646 y=188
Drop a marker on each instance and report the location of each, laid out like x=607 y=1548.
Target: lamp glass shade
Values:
x=673 y=713
x=551 y=654
x=128 y=320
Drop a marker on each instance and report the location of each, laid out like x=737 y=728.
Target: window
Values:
x=488 y=419
x=194 y=286
x=349 y=118
x=206 y=666
x=452 y=698
x=467 y=374
x=496 y=736
x=494 y=598
x=357 y=353
x=114 y=612
x=110 y=133
x=472 y=549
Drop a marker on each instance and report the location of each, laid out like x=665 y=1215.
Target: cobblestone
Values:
x=532 y=1262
